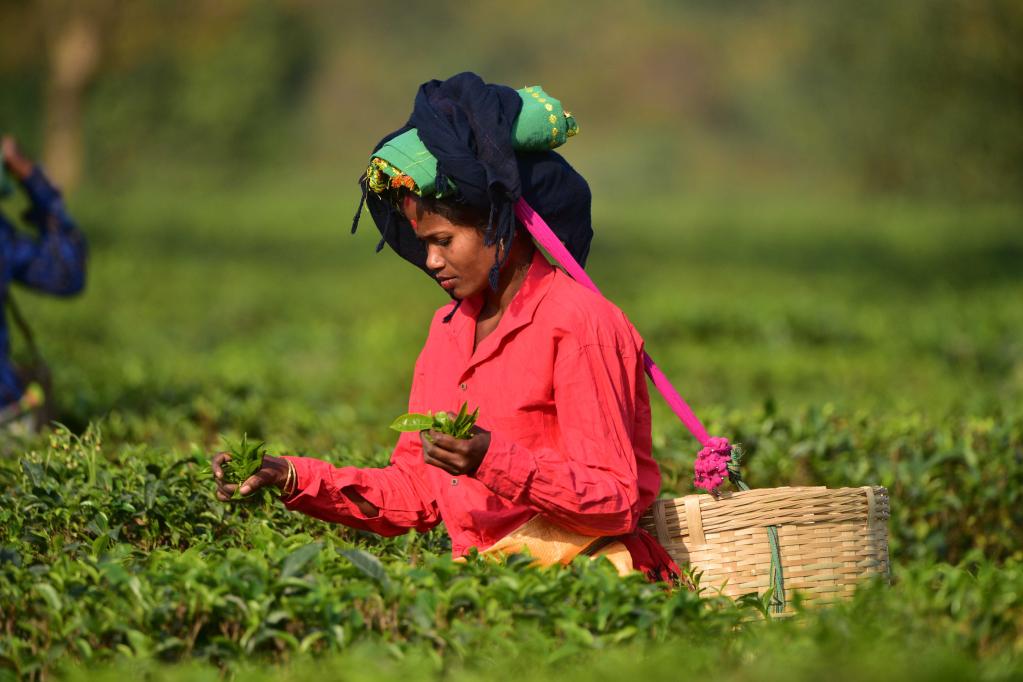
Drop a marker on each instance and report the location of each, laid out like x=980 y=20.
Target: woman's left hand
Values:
x=456 y=456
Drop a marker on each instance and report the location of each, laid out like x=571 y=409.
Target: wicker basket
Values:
x=829 y=539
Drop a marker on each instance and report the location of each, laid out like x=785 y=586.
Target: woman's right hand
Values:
x=274 y=472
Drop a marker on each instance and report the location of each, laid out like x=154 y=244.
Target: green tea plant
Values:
x=459 y=427
x=115 y=549
x=122 y=554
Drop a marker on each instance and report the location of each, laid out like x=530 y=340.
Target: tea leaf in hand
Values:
x=246 y=459
x=459 y=427
x=464 y=423
x=412 y=422
x=442 y=422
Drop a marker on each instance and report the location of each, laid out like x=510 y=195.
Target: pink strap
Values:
x=547 y=239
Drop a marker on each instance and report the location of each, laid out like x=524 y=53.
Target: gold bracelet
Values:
x=290 y=481
x=287 y=481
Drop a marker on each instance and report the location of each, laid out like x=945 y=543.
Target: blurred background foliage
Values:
x=915 y=97
x=796 y=203
x=811 y=211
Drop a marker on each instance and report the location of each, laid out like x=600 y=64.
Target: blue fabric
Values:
x=52 y=261
x=467 y=125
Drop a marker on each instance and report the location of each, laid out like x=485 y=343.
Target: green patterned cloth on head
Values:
x=405 y=161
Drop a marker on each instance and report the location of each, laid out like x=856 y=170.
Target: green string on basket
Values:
x=777 y=576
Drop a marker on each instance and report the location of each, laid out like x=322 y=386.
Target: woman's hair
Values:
x=457 y=212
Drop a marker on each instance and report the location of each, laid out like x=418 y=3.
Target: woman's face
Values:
x=455 y=254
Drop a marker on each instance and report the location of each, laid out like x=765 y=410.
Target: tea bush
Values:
x=124 y=551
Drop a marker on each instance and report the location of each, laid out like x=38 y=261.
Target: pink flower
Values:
x=718 y=443
x=712 y=464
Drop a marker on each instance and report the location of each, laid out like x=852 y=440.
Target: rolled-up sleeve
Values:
x=589 y=483
x=397 y=491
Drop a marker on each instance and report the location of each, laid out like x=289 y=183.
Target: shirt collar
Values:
x=520 y=311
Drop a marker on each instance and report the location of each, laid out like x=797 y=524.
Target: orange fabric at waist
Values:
x=549 y=544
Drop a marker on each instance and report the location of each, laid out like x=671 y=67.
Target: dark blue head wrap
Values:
x=467 y=125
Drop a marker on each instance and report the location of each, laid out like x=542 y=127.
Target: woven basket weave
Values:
x=829 y=539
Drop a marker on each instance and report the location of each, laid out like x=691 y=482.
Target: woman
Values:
x=52 y=261
x=560 y=463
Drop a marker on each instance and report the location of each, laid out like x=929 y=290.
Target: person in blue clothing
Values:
x=52 y=261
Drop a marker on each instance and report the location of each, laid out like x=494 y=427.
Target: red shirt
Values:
x=559 y=384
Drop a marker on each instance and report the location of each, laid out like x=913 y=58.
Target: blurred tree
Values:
x=74 y=32
x=212 y=87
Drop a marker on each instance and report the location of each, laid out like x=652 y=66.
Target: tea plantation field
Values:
x=841 y=342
